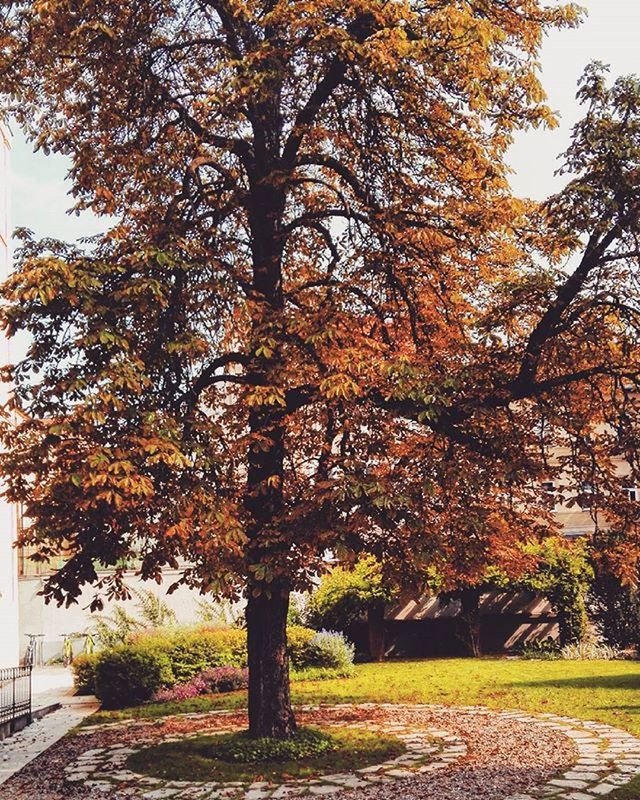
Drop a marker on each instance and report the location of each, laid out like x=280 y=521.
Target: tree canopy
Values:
x=321 y=321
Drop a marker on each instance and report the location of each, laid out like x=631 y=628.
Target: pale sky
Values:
x=610 y=34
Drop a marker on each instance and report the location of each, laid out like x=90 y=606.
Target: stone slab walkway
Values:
x=607 y=758
x=20 y=749
x=427 y=750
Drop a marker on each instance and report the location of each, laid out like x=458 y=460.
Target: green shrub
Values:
x=299 y=644
x=164 y=658
x=345 y=595
x=84 y=673
x=325 y=649
x=193 y=650
x=330 y=649
x=539 y=650
x=305 y=743
x=131 y=674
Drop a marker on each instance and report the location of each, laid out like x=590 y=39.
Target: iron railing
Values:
x=15 y=695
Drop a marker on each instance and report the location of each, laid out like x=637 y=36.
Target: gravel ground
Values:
x=505 y=756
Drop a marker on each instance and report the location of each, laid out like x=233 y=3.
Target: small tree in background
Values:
x=563 y=575
x=347 y=595
x=468 y=622
x=557 y=568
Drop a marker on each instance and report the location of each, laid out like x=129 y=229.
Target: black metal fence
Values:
x=15 y=697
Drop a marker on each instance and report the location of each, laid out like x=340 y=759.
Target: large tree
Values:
x=320 y=320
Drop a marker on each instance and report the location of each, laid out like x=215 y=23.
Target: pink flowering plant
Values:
x=209 y=681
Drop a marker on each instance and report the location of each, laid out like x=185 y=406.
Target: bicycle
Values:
x=33 y=653
x=89 y=644
x=67 y=649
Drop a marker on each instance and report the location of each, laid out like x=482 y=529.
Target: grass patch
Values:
x=629 y=792
x=235 y=757
x=322 y=673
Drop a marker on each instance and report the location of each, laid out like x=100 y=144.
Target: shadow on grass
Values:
x=613 y=682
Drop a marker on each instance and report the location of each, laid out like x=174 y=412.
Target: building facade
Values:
x=9 y=595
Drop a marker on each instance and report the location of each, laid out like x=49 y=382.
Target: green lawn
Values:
x=598 y=690
x=607 y=691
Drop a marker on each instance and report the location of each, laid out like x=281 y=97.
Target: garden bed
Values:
x=311 y=753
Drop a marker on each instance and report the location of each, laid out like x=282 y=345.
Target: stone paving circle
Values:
x=607 y=758
x=427 y=750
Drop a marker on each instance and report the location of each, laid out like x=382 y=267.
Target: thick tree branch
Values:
x=209 y=375
x=307 y=115
x=359 y=189
x=568 y=291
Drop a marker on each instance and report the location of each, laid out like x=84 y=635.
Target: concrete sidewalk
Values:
x=52 y=686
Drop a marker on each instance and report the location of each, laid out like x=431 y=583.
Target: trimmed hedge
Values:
x=191 y=651
x=299 y=645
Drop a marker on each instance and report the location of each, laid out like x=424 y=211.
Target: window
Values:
x=586 y=495
x=632 y=493
x=574 y=533
x=549 y=494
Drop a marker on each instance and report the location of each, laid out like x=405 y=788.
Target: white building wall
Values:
x=9 y=604
x=52 y=621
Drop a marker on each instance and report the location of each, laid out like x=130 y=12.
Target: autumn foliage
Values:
x=321 y=320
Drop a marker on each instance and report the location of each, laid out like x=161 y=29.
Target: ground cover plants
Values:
x=309 y=753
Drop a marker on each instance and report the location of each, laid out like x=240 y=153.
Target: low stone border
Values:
x=607 y=758
x=104 y=769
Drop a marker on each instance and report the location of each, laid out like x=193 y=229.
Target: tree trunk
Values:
x=470 y=618
x=375 y=620
x=268 y=589
x=270 y=712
